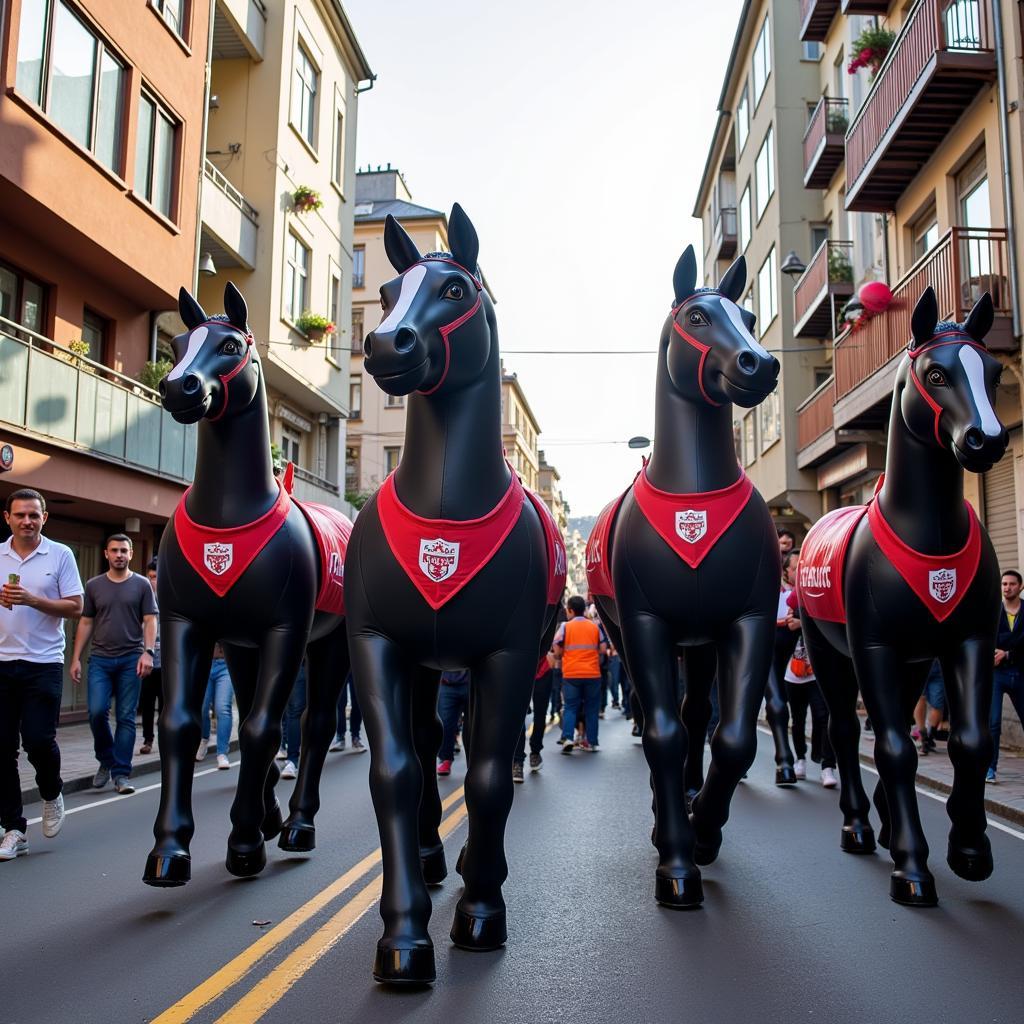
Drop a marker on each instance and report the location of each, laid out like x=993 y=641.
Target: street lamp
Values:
x=206 y=265
x=639 y=442
x=793 y=265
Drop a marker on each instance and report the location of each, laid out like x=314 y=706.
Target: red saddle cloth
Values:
x=557 y=563
x=599 y=570
x=820 y=570
x=332 y=531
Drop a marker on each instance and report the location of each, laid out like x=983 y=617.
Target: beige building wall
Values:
x=519 y=430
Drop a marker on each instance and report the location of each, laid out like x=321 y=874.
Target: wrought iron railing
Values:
x=217 y=178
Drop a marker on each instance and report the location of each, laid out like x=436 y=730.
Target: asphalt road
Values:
x=791 y=929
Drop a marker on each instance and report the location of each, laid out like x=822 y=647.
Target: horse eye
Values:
x=936 y=378
x=230 y=348
x=454 y=291
x=698 y=318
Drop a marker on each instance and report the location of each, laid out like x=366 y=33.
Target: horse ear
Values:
x=189 y=310
x=926 y=316
x=979 y=320
x=731 y=285
x=462 y=238
x=684 y=277
x=401 y=249
x=234 y=306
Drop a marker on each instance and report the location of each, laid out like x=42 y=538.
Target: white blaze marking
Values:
x=975 y=370
x=195 y=343
x=737 y=320
x=411 y=281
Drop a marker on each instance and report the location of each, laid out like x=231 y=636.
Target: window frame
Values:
x=750 y=450
x=743 y=117
x=358 y=317
x=21 y=279
x=182 y=30
x=160 y=109
x=355 y=383
x=767 y=146
x=338 y=148
x=921 y=228
x=763 y=37
x=100 y=323
x=770 y=432
x=301 y=47
x=388 y=450
x=771 y=263
x=745 y=203
x=288 y=293
x=334 y=347
x=293 y=435
x=358 y=266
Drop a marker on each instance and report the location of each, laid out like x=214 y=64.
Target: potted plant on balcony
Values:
x=154 y=372
x=870 y=48
x=836 y=121
x=314 y=326
x=306 y=199
x=79 y=350
x=839 y=267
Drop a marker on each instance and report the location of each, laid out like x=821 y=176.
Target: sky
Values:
x=574 y=134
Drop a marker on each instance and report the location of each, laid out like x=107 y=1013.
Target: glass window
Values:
x=22 y=300
x=296 y=278
x=291 y=445
x=926 y=233
x=742 y=120
x=762 y=61
x=154 y=155
x=749 y=438
x=771 y=421
x=94 y=331
x=355 y=397
x=304 y=95
x=744 y=219
x=108 y=118
x=767 y=295
x=334 y=340
x=72 y=72
x=819 y=234
x=394 y=401
x=811 y=50
x=765 y=172
x=748 y=300
x=32 y=50
x=972 y=188
x=172 y=13
x=391 y=459
x=358 y=266
x=357 y=330
x=338 y=172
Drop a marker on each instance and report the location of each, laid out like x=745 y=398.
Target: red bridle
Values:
x=701 y=348
x=226 y=378
x=937 y=410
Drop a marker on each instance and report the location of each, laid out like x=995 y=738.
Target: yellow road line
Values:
x=233 y=971
x=267 y=993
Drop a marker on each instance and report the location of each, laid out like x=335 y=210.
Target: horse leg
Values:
x=777 y=712
x=500 y=685
x=968 y=678
x=701 y=666
x=744 y=659
x=838 y=684
x=186 y=667
x=426 y=735
x=652 y=663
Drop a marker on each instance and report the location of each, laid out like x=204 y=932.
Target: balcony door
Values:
x=976 y=255
x=22 y=300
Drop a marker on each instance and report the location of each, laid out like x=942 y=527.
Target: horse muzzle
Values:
x=978 y=452
x=187 y=399
x=397 y=360
x=750 y=379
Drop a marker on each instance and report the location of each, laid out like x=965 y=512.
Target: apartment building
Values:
x=548 y=480
x=278 y=213
x=101 y=116
x=519 y=430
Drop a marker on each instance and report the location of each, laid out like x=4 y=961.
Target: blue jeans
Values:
x=452 y=701
x=218 y=696
x=614 y=677
x=293 y=716
x=1010 y=682
x=574 y=693
x=114 y=679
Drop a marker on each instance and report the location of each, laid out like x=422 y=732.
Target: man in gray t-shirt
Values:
x=119 y=616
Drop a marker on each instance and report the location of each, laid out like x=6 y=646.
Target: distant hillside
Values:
x=582 y=523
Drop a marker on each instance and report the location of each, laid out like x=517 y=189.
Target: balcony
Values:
x=964 y=264
x=814 y=423
x=828 y=277
x=815 y=18
x=869 y=7
x=46 y=389
x=239 y=29
x=939 y=62
x=229 y=222
x=310 y=487
x=723 y=242
x=825 y=141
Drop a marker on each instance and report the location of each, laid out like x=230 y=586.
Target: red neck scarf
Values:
x=939 y=581
x=440 y=556
x=691 y=524
x=220 y=556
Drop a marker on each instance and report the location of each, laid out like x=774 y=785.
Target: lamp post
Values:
x=639 y=442
x=792 y=265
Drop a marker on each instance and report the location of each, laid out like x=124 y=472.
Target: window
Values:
x=762 y=61
x=749 y=439
x=391 y=459
x=394 y=401
x=742 y=120
x=357 y=330
x=748 y=300
x=94 y=331
x=154 y=155
x=173 y=13
x=976 y=249
x=22 y=300
x=304 y=90
x=351 y=468
x=819 y=234
x=334 y=340
x=771 y=421
x=764 y=171
x=821 y=374
x=66 y=70
x=811 y=50
x=972 y=190
x=291 y=445
x=338 y=170
x=744 y=219
x=767 y=296
x=925 y=233
x=355 y=397
x=358 y=266
x=296 y=278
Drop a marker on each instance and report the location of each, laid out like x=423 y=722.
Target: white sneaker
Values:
x=204 y=745
x=288 y=771
x=358 y=747
x=800 y=768
x=14 y=844
x=53 y=816
x=222 y=762
x=828 y=778
x=338 y=743
x=281 y=755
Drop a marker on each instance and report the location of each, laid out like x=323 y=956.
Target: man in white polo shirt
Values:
x=41 y=588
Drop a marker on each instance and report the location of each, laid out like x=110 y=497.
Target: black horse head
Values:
x=413 y=348
x=950 y=384
x=217 y=368
x=712 y=355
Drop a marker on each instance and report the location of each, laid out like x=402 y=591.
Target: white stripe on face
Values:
x=195 y=343
x=975 y=370
x=733 y=312
x=411 y=281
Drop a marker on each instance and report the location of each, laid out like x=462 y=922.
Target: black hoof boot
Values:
x=785 y=775
x=913 y=892
x=460 y=860
x=859 y=839
x=412 y=965
x=972 y=863
x=680 y=893
x=479 y=933
x=298 y=838
x=166 y=872
x=272 y=822
x=435 y=870
x=247 y=863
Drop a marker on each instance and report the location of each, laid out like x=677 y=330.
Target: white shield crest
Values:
x=942 y=584
x=691 y=524
x=439 y=558
x=218 y=557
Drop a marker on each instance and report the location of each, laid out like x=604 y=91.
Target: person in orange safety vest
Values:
x=580 y=644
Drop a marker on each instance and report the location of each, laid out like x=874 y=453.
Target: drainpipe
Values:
x=153 y=317
x=202 y=149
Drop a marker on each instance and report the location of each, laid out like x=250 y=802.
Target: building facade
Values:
x=549 y=488
x=519 y=430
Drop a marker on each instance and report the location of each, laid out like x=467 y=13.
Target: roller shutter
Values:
x=1000 y=500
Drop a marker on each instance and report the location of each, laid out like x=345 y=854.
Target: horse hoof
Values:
x=297 y=839
x=244 y=864
x=682 y=893
x=857 y=840
x=273 y=822
x=785 y=775
x=166 y=871
x=479 y=933
x=460 y=861
x=913 y=892
x=432 y=862
x=972 y=863
x=412 y=965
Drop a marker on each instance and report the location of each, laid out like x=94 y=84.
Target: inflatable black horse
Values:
x=244 y=563
x=887 y=588
x=689 y=555
x=451 y=565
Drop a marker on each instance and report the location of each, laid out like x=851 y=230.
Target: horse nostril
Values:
x=405 y=339
x=747 y=362
x=974 y=438
x=191 y=384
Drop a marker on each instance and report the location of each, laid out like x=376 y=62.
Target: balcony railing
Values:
x=217 y=177
x=824 y=141
x=830 y=273
x=814 y=414
x=230 y=223
x=938 y=62
x=48 y=390
x=815 y=18
x=310 y=487
x=966 y=263
x=725 y=233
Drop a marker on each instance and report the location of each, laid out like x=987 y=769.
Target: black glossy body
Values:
x=890 y=638
x=266 y=621
x=451 y=468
